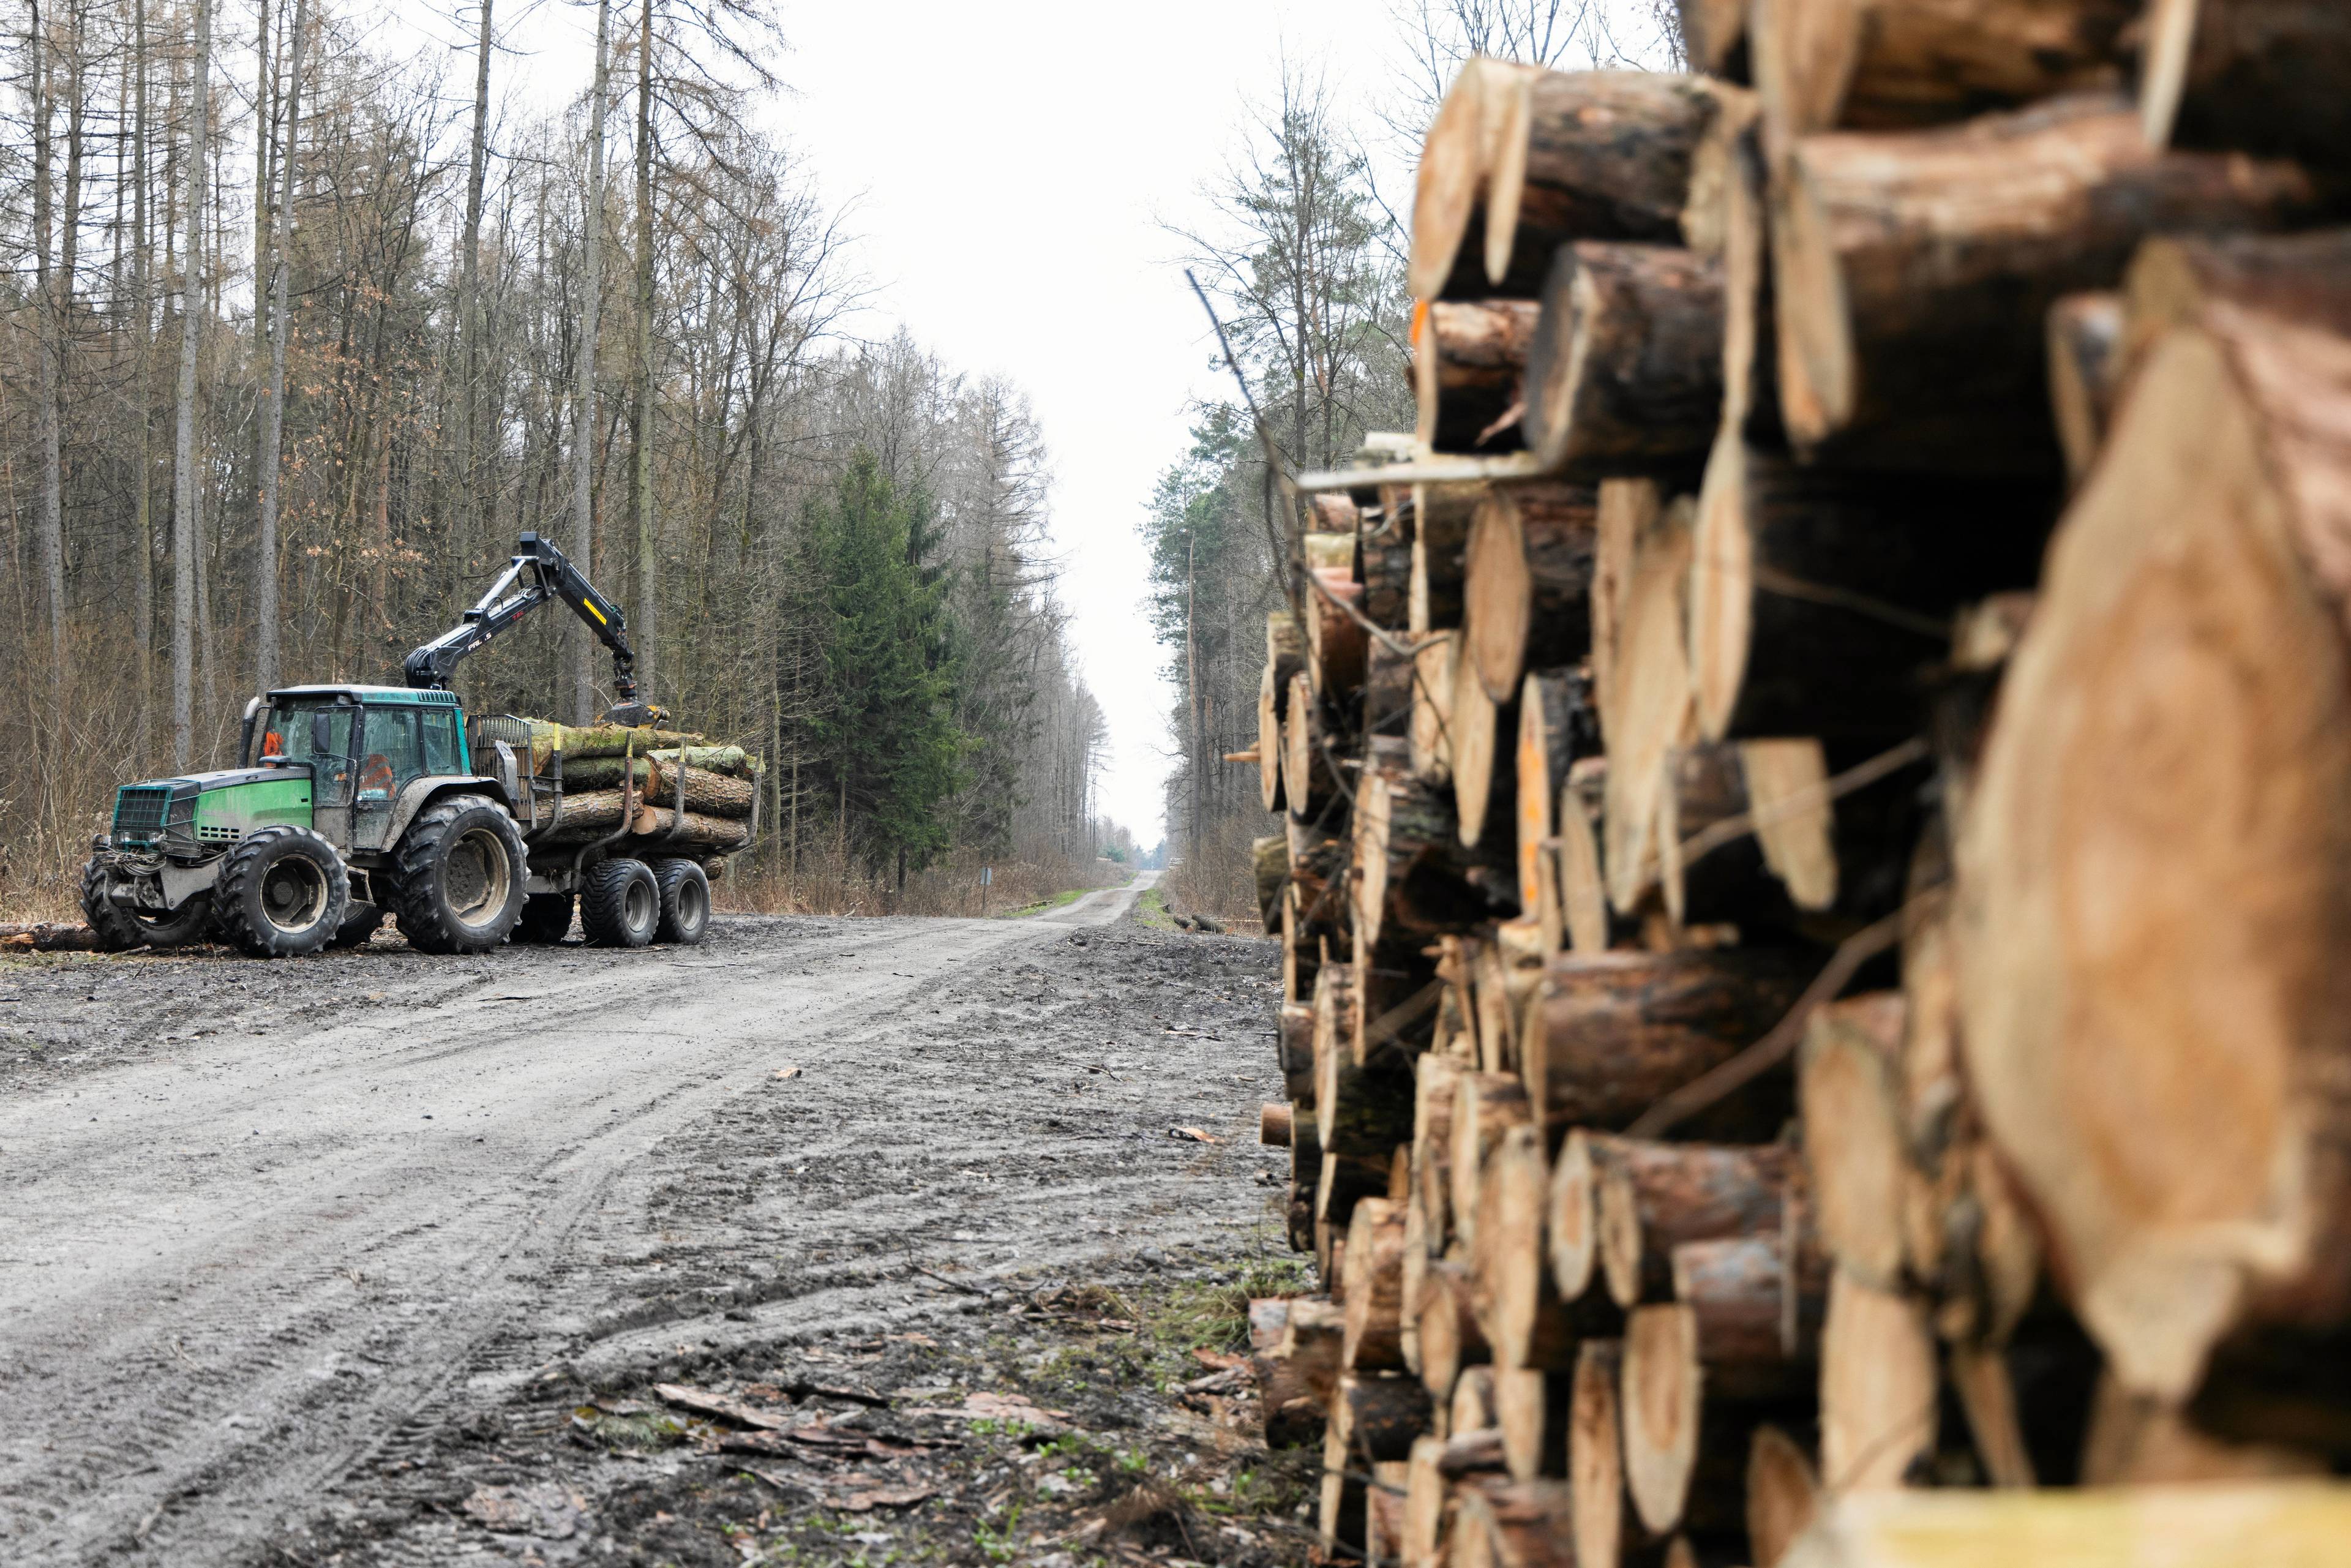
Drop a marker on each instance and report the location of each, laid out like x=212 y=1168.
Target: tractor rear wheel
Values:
x=282 y=892
x=619 y=903
x=545 y=919
x=457 y=876
x=684 y=901
x=120 y=927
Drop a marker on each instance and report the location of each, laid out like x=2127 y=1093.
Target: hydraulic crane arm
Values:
x=538 y=573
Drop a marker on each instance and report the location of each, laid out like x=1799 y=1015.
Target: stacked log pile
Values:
x=629 y=781
x=1815 y=809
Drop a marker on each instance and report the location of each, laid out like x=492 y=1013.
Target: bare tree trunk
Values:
x=142 y=500
x=50 y=536
x=185 y=486
x=583 y=412
x=272 y=406
x=469 y=300
x=641 y=475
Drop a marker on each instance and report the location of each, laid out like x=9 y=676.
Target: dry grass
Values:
x=1219 y=876
x=827 y=887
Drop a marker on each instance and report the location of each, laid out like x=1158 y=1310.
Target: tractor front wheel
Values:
x=120 y=927
x=457 y=882
x=282 y=893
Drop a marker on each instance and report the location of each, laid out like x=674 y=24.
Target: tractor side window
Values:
x=393 y=753
x=439 y=727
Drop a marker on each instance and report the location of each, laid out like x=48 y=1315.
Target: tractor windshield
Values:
x=291 y=732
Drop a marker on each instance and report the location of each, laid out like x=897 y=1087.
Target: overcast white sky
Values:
x=1010 y=165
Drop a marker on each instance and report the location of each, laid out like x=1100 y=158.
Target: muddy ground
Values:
x=384 y=1259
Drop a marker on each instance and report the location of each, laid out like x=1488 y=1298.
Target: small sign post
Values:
x=987 y=875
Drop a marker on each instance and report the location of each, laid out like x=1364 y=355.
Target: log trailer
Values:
x=353 y=802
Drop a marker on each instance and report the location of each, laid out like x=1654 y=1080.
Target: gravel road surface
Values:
x=266 y=1230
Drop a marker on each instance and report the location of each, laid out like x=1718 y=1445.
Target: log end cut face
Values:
x=2156 y=878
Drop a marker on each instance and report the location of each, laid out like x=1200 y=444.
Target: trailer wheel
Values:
x=282 y=893
x=546 y=918
x=119 y=928
x=619 y=903
x=457 y=876
x=684 y=901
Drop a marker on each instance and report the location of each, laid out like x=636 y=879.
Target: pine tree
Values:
x=887 y=730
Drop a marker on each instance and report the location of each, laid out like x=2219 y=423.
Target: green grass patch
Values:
x=1067 y=896
x=1152 y=910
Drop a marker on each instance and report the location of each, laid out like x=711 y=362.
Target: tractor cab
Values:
x=365 y=748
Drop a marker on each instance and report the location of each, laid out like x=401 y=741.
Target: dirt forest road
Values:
x=265 y=1229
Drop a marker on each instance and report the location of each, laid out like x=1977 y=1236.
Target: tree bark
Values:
x=1293 y=1415
x=1467 y=367
x=1652 y=1198
x=1759 y=1309
x=187 y=484
x=583 y=403
x=1413 y=879
x=53 y=285
x=1909 y=324
x=267 y=615
x=642 y=413
x=1625 y=373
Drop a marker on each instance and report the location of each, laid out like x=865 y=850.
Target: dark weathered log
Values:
x=1816 y=595
x=1784 y=860
x=1527 y=590
x=1467 y=361
x=1520 y=161
x=1378 y=1415
x=1625 y=371
x=1317 y=863
x=1313 y=1333
x=1867 y=64
x=1341 y=1517
x=1384 y=1509
x=1386 y=556
x=1387 y=691
x=1652 y=1198
x=2085 y=366
x=1609 y=1036
x=2160 y=1146
x=1270 y=869
x=1375 y=1305
x=1442 y=515
x=2264 y=76
x=1910 y=323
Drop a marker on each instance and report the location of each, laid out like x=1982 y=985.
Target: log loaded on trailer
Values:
x=353 y=802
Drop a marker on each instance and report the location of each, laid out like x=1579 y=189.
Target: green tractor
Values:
x=353 y=802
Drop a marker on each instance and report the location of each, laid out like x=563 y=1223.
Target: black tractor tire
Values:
x=457 y=876
x=685 y=902
x=545 y=919
x=282 y=892
x=359 y=926
x=119 y=928
x=619 y=903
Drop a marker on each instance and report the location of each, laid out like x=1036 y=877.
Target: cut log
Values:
x=1341 y=1515
x=1660 y=1408
x=2178 y=281
x=1910 y=320
x=602 y=740
x=706 y=791
x=1441 y=517
x=1714 y=40
x=1486 y=1105
x=1595 y=1458
x=1375 y=1305
x=1270 y=869
x=1467 y=361
x=588 y=814
x=686 y=829
x=1878 y=1402
x=1772 y=798
x=1783 y=1496
x=1335 y=640
x=1435 y=675
x=1652 y=1198
x=1309 y=784
x=1472 y=1406
x=1531 y=1410
x=1758 y=1312
x=1896 y=64
x=1317 y=862
x=1572 y=1221
x=1273 y=1120
x=1314 y=1335
x=1482 y=784
x=2147 y=1061
x=1383 y=1506
x=2137 y=1441
x=1388 y=579
x=1626 y=373
x=1527 y=588
x=1513 y=1524
x=1854 y=1143
x=2086 y=365
x=1526 y=1322
x=1378 y=1415
x=1413 y=878
x=1428 y=1494
x=2200 y=1526
x=1292 y=1412
x=1432 y=1145
x=1608 y=1036
x=1387 y=691
x=1295 y=1044
x=1557 y=729
x=2264 y=76
x=1583 y=884
x=1816 y=596
x=1649 y=709
x=1285 y=656
x=1519 y=161
x=1451 y=1344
